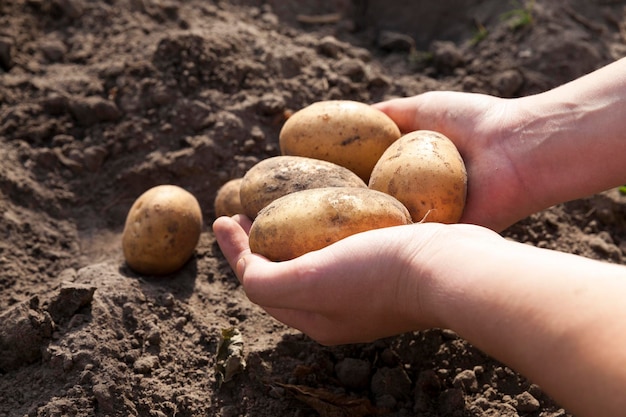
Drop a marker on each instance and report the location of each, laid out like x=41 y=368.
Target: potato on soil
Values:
x=308 y=220
x=162 y=230
x=281 y=175
x=424 y=170
x=227 y=199
x=348 y=133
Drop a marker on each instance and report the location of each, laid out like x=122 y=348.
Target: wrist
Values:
x=445 y=271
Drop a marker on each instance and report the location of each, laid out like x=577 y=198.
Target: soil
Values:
x=102 y=99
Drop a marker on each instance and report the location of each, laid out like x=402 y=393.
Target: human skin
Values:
x=556 y=318
x=524 y=155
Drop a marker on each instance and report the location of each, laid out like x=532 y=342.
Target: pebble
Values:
x=526 y=403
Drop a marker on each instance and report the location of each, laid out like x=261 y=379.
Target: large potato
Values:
x=275 y=177
x=348 y=133
x=424 y=170
x=162 y=230
x=227 y=199
x=308 y=220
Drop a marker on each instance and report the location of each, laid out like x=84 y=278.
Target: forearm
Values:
x=571 y=141
x=556 y=318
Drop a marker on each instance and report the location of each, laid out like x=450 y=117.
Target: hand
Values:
x=355 y=290
x=480 y=126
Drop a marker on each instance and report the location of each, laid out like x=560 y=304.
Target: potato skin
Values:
x=227 y=199
x=348 y=133
x=424 y=170
x=308 y=220
x=275 y=177
x=162 y=230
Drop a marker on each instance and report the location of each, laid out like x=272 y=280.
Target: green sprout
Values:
x=622 y=189
x=521 y=16
x=480 y=33
x=418 y=59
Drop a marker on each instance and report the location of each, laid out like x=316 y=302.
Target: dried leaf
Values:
x=329 y=404
x=229 y=358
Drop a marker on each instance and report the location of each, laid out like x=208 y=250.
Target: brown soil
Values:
x=102 y=99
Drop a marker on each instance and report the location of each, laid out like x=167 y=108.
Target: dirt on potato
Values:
x=102 y=99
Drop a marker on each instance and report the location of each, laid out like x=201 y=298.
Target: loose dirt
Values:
x=102 y=99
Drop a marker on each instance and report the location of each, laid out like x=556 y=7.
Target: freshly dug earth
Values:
x=102 y=99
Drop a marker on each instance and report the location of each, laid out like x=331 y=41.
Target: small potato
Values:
x=275 y=177
x=227 y=200
x=348 y=133
x=308 y=220
x=424 y=170
x=162 y=230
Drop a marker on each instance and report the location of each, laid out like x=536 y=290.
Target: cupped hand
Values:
x=367 y=286
x=484 y=130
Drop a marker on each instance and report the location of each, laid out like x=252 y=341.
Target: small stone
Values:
x=526 y=403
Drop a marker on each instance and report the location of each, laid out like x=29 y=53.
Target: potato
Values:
x=308 y=220
x=424 y=170
x=275 y=177
x=227 y=200
x=348 y=133
x=162 y=230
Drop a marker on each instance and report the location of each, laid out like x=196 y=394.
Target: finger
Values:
x=232 y=239
x=451 y=113
x=403 y=111
x=243 y=221
x=275 y=284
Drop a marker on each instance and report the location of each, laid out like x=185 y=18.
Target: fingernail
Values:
x=240 y=267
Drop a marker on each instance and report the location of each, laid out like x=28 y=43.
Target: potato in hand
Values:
x=347 y=133
x=424 y=170
x=309 y=220
x=281 y=175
